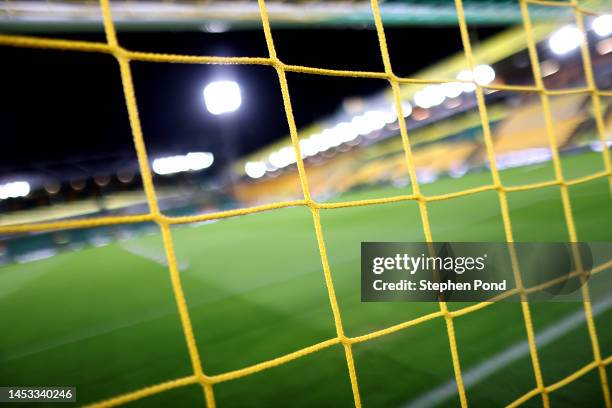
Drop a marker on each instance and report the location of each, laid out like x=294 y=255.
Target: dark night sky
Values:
x=67 y=107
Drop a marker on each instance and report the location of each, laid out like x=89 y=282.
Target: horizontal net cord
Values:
x=185 y=381
x=177 y=220
x=145 y=392
x=563 y=382
x=239 y=373
x=124 y=56
x=97 y=47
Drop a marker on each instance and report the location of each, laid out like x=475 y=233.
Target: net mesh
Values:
x=124 y=56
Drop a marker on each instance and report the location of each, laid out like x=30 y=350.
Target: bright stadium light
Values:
x=565 y=40
x=406 y=109
x=377 y=118
x=452 y=89
x=466 y=75
x=484 y=74
x=361 y=124
x=345 y=132
x=430 y=96
x=282 y=158
x=307 y=148
x=222 y=97
x=602 y=25
x=255 y=169
x=200 y=160
x=14 y=189
x=181 y=163
x=320 y=142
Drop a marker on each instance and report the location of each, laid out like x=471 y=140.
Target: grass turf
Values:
x=105 y=320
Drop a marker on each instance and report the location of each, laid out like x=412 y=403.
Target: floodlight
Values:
x=452 y=89
x=430 y=96
x=484 y=74
x=282 y=158
x=602 y=25
x=14 y=189
x=255 y=169
x=176 y=164
x=222 y=97
x=200 y=160
x=308 y=148
x=565 y=40
x=466 y=75
x=391 y=114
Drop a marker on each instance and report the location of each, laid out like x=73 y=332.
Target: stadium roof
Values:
x=492 y=50
x=223 y=15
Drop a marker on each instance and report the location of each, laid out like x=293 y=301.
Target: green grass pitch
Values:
x=104 y=319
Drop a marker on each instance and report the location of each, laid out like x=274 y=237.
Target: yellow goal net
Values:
x=208 y=382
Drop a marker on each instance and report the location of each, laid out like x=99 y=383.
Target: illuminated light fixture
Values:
x=14 y=189
x=282 y=158
x=215 y=27
x=406 y=109
x=421 y=114
x=101 y=181
x=452 y=103
x=604 y=46
x=78 y=185
x=181 y=163
x=565 y=40
x=200 y=160
x=452 y=89
x=52 y=187
x=549 y=67
x=430 y=96
x=346 y=132
x=377 y=119
x=255 y=169
x=361 y=124
x=316 y=143
x=222 y=97
x=391 y=115
x=466 y=75
x=307 y=148
x=320 y=142
x=125 y=176
x=483 y=75
x=336 y=134
x=333 y=136
x=602 y=25
x=353 y=105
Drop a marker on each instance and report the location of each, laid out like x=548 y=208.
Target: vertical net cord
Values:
x=565 y=196
x=450 y=328
x=503 y=202
x=348 y=351
x=147 y=179
x=124 y=56
x=599 y=122
x=595 y=97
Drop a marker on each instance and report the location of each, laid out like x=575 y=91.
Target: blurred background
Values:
x=67 y=148
x=217 y=139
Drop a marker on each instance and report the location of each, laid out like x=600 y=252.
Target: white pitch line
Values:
x=480 y=372
x=151 y=255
